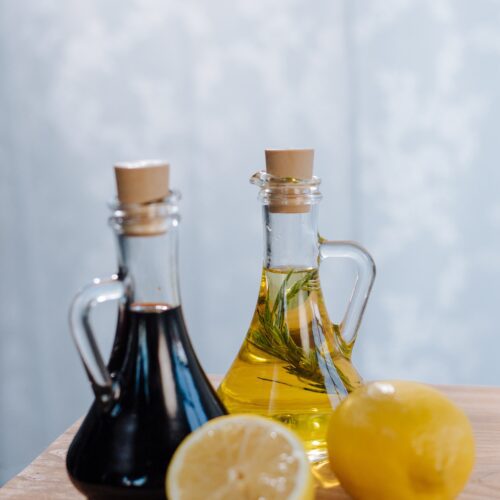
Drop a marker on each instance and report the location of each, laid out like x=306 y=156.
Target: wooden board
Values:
x=46 y=479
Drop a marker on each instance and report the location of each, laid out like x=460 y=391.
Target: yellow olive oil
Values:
x=293 y=365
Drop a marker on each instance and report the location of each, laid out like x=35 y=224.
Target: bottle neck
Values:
x=291 y=239
x=149 y=266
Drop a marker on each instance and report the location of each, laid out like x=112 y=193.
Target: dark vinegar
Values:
x=124 y=451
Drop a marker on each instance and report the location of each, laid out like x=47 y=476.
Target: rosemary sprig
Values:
x=273 y=336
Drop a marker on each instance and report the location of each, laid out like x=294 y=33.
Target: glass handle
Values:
x=365 y=276
x=100 y=290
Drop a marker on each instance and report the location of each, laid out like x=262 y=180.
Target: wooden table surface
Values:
x=45 y=478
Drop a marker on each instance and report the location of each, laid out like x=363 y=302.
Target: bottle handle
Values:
x=105 y=388
x=365 y=276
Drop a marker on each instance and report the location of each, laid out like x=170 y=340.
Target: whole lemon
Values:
x=398 y=441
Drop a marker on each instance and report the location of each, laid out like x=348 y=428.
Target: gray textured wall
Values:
x=399 y=97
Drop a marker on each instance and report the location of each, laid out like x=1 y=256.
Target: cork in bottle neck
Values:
x=143 y=181
x=141 y=184
x=293 y=164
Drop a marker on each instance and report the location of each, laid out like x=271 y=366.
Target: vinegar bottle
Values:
x=295 y=364
x=153 y=392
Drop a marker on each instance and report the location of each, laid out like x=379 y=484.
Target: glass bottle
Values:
x=295 y=364
x=153 y=392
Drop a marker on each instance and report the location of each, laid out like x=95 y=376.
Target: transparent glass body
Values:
x=295 y=364
x=153 y=391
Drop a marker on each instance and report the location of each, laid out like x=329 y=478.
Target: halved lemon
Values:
x=240 y=457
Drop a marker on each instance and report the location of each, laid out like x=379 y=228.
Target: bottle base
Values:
x=100 y=492
x=323 y=475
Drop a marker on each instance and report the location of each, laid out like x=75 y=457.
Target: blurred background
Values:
x=400 y=99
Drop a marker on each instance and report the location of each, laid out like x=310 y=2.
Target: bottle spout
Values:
x=144 y=200
x=287 y=185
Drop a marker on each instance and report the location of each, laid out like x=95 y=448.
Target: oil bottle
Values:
x=153 y=392
x=295 y=364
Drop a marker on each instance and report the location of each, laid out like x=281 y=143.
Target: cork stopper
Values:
x=142 y=181
x=296 y=163
x=139 y=185
x=290 y=163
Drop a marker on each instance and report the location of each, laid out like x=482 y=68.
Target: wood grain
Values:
x=46 y=479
